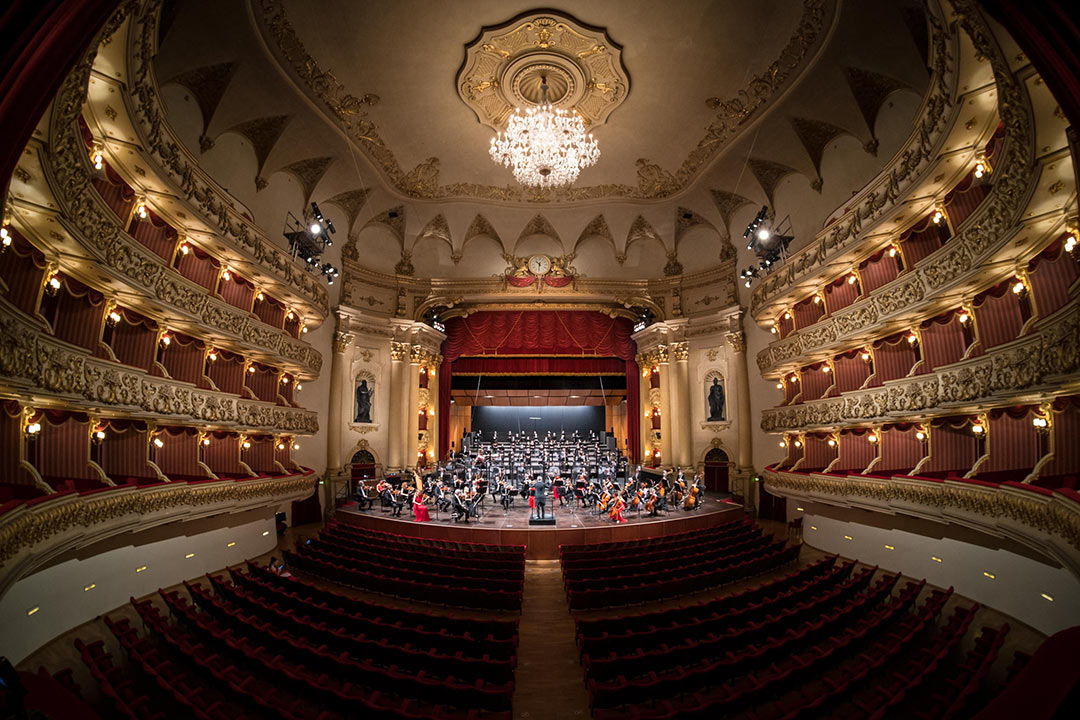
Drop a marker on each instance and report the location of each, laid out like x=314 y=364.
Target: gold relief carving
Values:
x=661 y=354
x=673 y=268
x=711 y=353
x=342 y=341
x=681 y=351
x=737 y=341
x=20 y=174
x=399 y=351
x=366 y=355
x=404 y=265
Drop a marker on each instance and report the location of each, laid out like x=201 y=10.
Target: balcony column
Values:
x=745 y=461
x=399 y=388
x=667 y=429
x=339 y=370
x=681 y=414
x=644 y=424
x=411 y=397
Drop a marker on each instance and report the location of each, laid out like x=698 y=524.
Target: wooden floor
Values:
x=549 y=682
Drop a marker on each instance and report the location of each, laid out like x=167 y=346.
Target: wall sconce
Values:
x=251 y=368
x=185 y=248
x=920 y=435
x=284 y=379
x=303 y=328
x=140 y=209
x=5 y=237
x=212 y=355
x=783 y=443
x=865 y=355
x=290 y=315
x=978 y=429
x=851 y=279
x=298 y=386
x=1070 y=242
x=826 y=369
x=430 y=411
x=1042 y=424
x=97 y=156
x=964 y=317
x=873 y=438
x=832 y=443
x=226 y=275
x=281 y=446
x=295 y=446
x=205 y=441
x=158 y=443
x=893 y=250
x=787 y=316
x=431 y=453
x=113 y=317
x=780 y=385
x=246 y=445
x=52 y=284
x=773 y=330
x=939 y=215
x=912 y=338
x=166 y=340
x=817 y=299
x=98 y=435
x=798 y=443
x=982 y=167
x=1018 y=287
x=260 y=296
x=794 y=378
x=423 y=370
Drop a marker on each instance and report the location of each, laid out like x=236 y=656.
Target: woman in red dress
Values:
x=617 y=510
x=420 y=511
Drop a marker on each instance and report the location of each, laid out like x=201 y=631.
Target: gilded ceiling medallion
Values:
x=506 y=64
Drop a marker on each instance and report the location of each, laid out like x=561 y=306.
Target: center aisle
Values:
x=549 y=682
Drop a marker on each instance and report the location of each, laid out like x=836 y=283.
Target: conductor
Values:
x=540 y=486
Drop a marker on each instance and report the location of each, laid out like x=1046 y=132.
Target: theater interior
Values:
x=484 y=360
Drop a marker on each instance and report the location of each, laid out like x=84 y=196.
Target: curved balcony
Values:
x=918 y=160
x=33 y=533
x=57 y=371
x=1047 y=520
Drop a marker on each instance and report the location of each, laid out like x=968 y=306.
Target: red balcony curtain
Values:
x=854 y=450
x=133 y=339
x=284 y=454
x=22 y=271
x=124 y=451
x=817 y=452
x=851 y=370
x=953 y=448
x=183 y=358
x=993 y=145
x=1051 y=274
x=1064 y=469
x=998 y=314
x=155 y=235
x=260 y=456
x=943 y=339
x=263 y=383
x=1014 y=445
x=840 y=293
x=236 y=291
x=178 y=458
x=901 y=450
x=785 y=325
x=791 y=390
x=894 y=357
x=197 y=266
x=807 y=312
x=814 y=381
x=292 y=326
x=285 y=390
x=10 y=440
x=794 y=454
x=227 y=371
x=77 y=313
x=922 y=239
x=222 y=455
x=270 y=311
x=878 y=269
x=963 y=199
x=116 y=193
x=61 y=451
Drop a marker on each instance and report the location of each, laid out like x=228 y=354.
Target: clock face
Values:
x=539 y=264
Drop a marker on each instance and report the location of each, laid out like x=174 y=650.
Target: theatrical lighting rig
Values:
x=769 y=242
x=308 y=237
x=433 y=318
x=644 y=319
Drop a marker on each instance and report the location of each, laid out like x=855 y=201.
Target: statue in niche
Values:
x=715 y=399
x=363 y=402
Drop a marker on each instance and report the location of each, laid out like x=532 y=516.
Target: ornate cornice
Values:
x=31 y=536
x=35 y=362
x=181 y=170
x=913 y=163
x=1049 y=523
x=996 y=378
x=981 y=253
x=653 y=182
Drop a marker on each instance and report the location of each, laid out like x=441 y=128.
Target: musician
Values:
x=362 y=498
x=396 y=502
x=617 y=509
x=540 y=487
x=420 y=511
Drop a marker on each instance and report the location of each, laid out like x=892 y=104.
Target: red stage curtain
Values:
x=227 y=371
x=132 y=339
x=1052 y=273
x=178 y=458
x=538 y=366
x=851 y=370
x=116 y=193
x=855 y=451
x=817 y=452
x=878 y=269
x=22 y=270
x=270 y=311
x=197 y=266
x=901 y=450
x=943 y=340
x=963 y=199
x=998 y=314
x=155 y=234
x=237 y=291
x=840 y=293
x=815 y=382
x=807 y=312
x=535 y=334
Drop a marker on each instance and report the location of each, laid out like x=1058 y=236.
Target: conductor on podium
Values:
x=540 y=487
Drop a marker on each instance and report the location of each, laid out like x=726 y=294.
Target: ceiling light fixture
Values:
x=543 y=146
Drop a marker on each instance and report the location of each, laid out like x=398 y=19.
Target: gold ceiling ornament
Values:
x=506 y=65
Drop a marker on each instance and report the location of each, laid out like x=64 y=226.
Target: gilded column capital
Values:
x=342 y=341
x=418 y=355
x=662 y=354
x=737 y=341
x=681 y=351
x=399 y=350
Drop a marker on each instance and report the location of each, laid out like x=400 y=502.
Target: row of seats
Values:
x=471 y=637
x=498 y=562
x=474 y=551
x=620 y=548
x=224 y=624
x=399 y=582
x=687 y=580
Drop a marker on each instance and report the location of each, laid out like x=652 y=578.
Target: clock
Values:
x=539 y=265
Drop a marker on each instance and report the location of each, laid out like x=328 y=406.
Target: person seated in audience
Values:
x=278 y=567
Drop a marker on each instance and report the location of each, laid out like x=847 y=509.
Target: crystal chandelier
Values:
x=545 y=147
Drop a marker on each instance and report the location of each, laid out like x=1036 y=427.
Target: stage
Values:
x=512 y=528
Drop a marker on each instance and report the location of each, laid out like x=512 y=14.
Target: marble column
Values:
x=339 y=393
x=435 y=364
x=412 y=406
x=667 y=429
x=644 y=423
x=684 y=440
x=745 y=461
x=395 y=425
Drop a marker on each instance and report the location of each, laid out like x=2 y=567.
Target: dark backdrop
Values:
x=556 y=419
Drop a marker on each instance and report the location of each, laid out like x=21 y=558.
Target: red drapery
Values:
x=539 y=366
x=808 y=312
x=922 y=239
x=943 y=339
x=178 y=457
x=22 y=270
x=270 y=311
x=851 y=370
x=998 y=314
x=116 y=193
x=227 y=371
x=197 y=266
x=879 y=269
x=855 y=451
x=572 y=341
x=155 y=235
x=1052 y=273
x=840 y=293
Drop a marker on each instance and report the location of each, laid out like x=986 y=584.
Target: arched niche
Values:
x=431 y=257
x=715 y=397
x=538 y=245
x=482 y=256
x=594 y=256
x=645 y=258
x=364 y=387
x=699 y=249
x=378 y=248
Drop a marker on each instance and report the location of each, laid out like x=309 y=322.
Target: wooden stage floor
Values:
x=572 y=525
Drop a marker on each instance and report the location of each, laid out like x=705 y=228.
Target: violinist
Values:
x=397 y=502
x=420 y=511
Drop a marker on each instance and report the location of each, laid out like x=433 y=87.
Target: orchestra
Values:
x=517 y=464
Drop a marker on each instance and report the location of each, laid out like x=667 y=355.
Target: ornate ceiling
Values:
x=703 y=110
